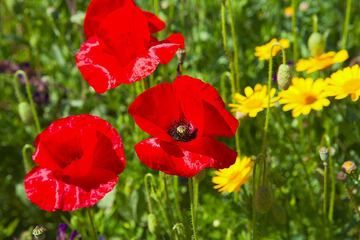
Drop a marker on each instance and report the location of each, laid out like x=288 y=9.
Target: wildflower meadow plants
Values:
x=124 y=119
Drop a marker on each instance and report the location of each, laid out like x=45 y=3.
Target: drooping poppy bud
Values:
x=316 y=44
x=284 y=76
x=263 y=199
x=25 y=112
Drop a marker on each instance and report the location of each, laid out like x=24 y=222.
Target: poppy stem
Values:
x=91 y=219
x=294 y=30
x=235 y=45
x=346 y=24
x=26 y=161
x=193 y=192
x=30 y=99
x=325 y=193
x=226 y=47
x=148 y=183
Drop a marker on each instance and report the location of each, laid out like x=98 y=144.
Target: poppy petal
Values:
x=51 y=194
x=97 y=11
x=174 y=160
x=155 y=110
x=209 y=112
x=155 y=23
x=99 y=67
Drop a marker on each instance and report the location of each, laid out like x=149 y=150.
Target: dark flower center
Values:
x=182 y=131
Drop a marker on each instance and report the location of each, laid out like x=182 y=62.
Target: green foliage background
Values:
x=46 y=34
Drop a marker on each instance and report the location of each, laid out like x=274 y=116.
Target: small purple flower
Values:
x=61 y=234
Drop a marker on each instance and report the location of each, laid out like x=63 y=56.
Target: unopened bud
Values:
x=263 y=199
x=152 y=223
x=181 y=54
x=39 y=232
x=341 y=176
x=284 y=76
x=25 y=112
x=348 y=167
x=324 y=154
x=316 y=44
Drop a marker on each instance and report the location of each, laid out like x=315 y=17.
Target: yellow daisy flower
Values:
x=232 y=178
x=323 y=61
x=263 y=52
x=304 y=95
x=254 y=101
x=289 y=11
x=345 y=82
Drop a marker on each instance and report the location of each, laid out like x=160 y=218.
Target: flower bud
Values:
x=263 y=199
x=324 y=154
x=284 y=76
x=181 y=54
x=39 y=232
x=25 y=112
x=152 y=222
x=341 y=176
x=316 y=44
x=348 y=167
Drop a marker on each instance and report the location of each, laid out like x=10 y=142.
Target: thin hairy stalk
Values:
x=294 y=30
x=30 y=99
x=91 y=220
x=148 y=180
x=193 y=192
x=177 y=199
x=235 y=45
x=26 y=162
x=346 y=24
x=226 y=47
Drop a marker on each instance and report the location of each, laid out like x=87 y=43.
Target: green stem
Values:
x=226 y=48
x=235 y=44
x=193 y=192
x=18 y=95
x=346 y=24
x=294 y=30
x=91 y=220
x=148 y=182
x=26 y=162
x=254 y=187
x=177 y=199
x=315 y=24
x=332 y=185
x=230 y=59
x=325 y=193
x=30 y=99
x=267 y=116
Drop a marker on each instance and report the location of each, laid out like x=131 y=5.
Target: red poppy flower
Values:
x=119 y=47
x=184 y=118
x=78 y=161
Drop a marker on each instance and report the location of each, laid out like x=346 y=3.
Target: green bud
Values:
x=25 y=112
x=39 y=232
x=324 y=154
x=152 y=223
x=284 y=76
x=316 y=44
x=263 y=199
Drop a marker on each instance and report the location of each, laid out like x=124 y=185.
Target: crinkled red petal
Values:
x=174 y=159
x=51 y=194
x=202 y=104
x=155 y=110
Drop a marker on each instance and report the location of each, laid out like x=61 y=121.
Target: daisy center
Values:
x=182 y=131
x=309 y=99
x=352 y=85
